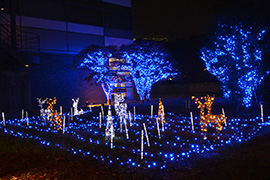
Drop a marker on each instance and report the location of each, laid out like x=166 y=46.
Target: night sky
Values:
x=185 y=18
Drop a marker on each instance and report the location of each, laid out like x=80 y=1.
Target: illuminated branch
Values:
x=95 y=60
x=148 y=63
x=234 y=56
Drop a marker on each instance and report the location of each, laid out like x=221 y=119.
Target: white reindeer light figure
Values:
x=75 y=107
x=43 y=112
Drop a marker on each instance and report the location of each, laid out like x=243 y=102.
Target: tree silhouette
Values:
x=148 y=63
x=233 y=55
x=95 y=60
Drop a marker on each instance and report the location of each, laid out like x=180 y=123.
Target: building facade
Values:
x=63 y=28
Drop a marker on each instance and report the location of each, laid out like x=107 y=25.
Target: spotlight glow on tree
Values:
x=234 y=57
x=148 y=63
x=96 y=59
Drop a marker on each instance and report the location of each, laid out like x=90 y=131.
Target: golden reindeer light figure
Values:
x=55 y=117
x=216 y=120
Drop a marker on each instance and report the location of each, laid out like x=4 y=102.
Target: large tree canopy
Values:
x=148 y=62
x=233 y=55
x=95 y=59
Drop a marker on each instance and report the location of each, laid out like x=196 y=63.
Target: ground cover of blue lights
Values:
x=178 y=143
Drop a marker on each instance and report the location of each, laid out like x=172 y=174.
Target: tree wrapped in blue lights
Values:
x=234 y=57
x=95 y=59
x=148 y=63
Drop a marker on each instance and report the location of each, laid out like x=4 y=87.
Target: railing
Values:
x=25 y=41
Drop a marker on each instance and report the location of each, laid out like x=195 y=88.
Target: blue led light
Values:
x=148 y=63
x=234 y=57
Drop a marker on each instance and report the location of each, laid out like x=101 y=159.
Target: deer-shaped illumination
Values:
x=43 y=112
x=216 y=120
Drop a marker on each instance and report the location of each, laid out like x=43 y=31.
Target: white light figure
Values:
x=120 y=108
x=42 y=111
x=109 y=131
x=75 y=107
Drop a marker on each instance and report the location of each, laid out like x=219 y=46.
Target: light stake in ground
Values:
x=100 y=119
x=158 y=128
x=130 y=120
x=64 y=124
x=134 y=113
x=102 y=111
x=27 y=119
x=121 y=123
x=225 y=120
x=3 y=117
x=71 y=114
x=61 y=110
x=191 y=118
x=126 y=128
x=262 y=112
x=146 y=134
x=151 y=111
x=141 y=144
x=22 y=114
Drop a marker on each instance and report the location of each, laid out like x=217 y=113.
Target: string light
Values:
x=55 y=118
x=88 y=139
x=148 y=63
x=234 y=57
x=207 y=120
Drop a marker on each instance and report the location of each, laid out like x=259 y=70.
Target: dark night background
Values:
x=186 y=18
x=187 y=25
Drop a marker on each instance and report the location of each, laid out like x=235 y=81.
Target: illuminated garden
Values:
x=149 y=136
x=154 y=141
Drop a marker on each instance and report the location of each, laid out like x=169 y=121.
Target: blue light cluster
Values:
x=177 y=144
x=96 y=60
x=234 y=57
x=148 y=63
